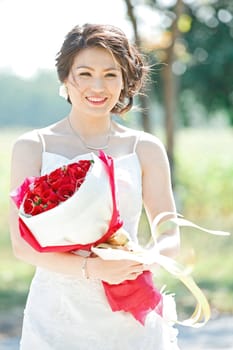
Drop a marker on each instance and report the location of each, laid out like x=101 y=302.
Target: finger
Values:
x=134 y=275
x=136 y=264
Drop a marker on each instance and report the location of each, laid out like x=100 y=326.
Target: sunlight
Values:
x=31 y=32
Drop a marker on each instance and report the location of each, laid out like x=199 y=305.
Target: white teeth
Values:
x=96 y=99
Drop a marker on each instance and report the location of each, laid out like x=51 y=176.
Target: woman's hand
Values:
x=114 y=271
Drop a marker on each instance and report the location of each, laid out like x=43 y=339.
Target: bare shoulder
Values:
x=31 y=141
x=148 y=147
x=26 y=157
x=151 y=150
x=145 y=139
x=150 y=142
x=28 y=143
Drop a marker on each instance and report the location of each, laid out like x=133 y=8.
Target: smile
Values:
x=97 y=100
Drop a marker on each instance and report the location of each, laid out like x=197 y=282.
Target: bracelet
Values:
x=84 y=268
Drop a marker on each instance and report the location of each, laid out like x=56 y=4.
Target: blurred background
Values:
x=188 y=105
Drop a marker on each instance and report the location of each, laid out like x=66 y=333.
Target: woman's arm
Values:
x=157 y=189
x=26 y=161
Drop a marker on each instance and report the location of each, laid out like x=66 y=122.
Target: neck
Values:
x=90 y=127
x=93 y=136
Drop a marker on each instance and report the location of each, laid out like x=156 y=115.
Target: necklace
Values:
x=85 y=144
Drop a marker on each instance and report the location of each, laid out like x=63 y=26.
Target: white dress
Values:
x=64 y=312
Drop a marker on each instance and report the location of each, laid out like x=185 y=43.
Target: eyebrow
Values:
x=105 y=70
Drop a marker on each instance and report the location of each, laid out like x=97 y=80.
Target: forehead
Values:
x=95 y=56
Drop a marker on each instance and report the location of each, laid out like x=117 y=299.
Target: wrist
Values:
x=92 y=267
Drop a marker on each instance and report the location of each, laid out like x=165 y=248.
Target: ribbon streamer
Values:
x=202 y=312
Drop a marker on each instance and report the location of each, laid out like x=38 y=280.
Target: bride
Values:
x=66 y=308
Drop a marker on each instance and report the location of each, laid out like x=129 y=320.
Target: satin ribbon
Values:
x=202 y=312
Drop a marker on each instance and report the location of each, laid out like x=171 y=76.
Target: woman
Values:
x=100 y=72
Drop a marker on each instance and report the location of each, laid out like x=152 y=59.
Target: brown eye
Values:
x=85 y=74
x=111 y=75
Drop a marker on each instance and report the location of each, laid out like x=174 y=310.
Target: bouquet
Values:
x=75 y=208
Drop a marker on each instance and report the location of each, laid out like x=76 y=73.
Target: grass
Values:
x=204 y=175
x=204 y=193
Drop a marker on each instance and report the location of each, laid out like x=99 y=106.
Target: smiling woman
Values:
x=112 y=61
x=95 y=80
x=101 y=72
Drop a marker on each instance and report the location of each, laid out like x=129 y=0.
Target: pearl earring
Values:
x=63 y=91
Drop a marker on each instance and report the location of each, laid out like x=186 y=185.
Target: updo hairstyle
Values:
x=134 y=70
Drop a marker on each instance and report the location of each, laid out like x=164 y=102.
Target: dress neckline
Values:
x=89 y=153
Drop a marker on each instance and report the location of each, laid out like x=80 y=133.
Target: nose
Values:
x=98 y=84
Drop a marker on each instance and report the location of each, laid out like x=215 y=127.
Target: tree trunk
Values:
x=145 y=117
x=169 y=106
x=169 y=90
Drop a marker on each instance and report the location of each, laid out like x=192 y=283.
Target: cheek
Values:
x=115 y=86
x=76 y=86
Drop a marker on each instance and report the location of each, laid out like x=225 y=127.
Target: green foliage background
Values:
x=30 y=102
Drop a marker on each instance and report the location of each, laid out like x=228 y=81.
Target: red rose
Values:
x=58 y=177
x=48 y=191
x=28 y=206
x=85 y=164
x=78 y=170
x=36 y=199
x=49 y=196
x=66 y=191
x=56 y=174
x=33 y=208
x=40 y=186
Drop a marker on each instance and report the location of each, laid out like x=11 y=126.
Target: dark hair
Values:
x=134 y=70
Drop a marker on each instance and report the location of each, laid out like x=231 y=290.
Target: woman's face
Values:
x=95 y=82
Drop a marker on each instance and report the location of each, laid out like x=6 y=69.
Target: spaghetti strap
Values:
x=42 y=140
x=137 y=138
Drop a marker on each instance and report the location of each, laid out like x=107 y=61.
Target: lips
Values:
x=96 y=100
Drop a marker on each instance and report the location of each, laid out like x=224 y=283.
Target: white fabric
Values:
x=64 y=312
